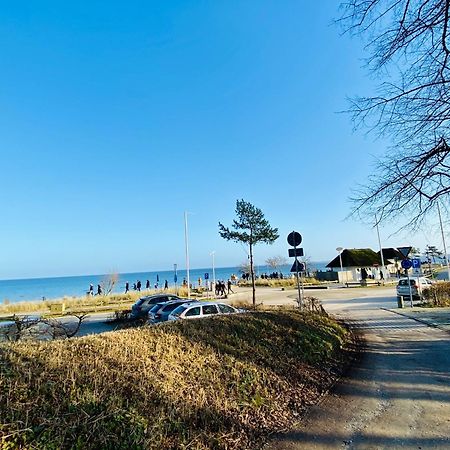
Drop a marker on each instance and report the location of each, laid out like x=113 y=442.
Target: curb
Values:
x=417 y=319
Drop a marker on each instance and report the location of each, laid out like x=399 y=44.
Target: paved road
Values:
x=397 y=396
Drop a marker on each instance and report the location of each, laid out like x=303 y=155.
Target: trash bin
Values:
x=400 y=302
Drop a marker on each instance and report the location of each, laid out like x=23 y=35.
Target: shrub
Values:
x=438 y=294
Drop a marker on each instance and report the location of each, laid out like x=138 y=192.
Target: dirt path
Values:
x=397 y=396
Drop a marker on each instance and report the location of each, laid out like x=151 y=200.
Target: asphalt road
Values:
x=396 y=396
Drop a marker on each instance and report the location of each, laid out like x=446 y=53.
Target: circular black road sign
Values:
x=294 y=239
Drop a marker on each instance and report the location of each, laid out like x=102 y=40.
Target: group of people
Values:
x=91 y=290
x=138 y=285
x=221 y=287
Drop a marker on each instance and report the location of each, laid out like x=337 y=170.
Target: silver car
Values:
x=418 y=284
x=198 y=310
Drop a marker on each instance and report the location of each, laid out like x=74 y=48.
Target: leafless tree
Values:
x=21 y=326
x=276 y=262
x=108 y=283
x=56 y=329
x=409 y=48
x=40 y=328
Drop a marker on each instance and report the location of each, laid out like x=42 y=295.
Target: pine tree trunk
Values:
x=253 y=276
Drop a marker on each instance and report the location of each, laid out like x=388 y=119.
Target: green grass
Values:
x=225 y=382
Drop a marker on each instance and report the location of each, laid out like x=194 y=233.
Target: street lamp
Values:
x=186 y=242
x=339 y=250
x=213 y=270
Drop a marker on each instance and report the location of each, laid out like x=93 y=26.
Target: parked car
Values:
x=197 y=310
x=160 y=312
x=141 y=308
x=418 y=284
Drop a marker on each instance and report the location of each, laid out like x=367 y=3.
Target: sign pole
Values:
x=300 y=298
x=410 y=290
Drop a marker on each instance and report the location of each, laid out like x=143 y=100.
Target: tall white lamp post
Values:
x=186 y=241
x=213 y=269
x=339 y=250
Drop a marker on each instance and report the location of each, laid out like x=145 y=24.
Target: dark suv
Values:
x=141 y=308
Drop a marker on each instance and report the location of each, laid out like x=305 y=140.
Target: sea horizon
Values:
x=46 y=288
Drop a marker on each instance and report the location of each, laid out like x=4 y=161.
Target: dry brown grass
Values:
x=85 y=303
x=218 y=383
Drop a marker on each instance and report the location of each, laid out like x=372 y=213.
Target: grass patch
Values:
x=225 y=382
x=437 y=295
x=102 y=303
x=277 y=282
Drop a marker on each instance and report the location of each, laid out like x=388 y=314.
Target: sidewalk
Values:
x=434 y=317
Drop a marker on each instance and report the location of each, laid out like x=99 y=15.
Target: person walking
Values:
x=147 y=284
x=166 y=285
x=138 y=285
x=127 y=287
x=229 y=287
x=99 y=289
x=91 y=289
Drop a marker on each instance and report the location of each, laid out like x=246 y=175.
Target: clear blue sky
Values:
x=116 y=117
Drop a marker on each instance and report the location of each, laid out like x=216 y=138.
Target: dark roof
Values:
x=391 y=253
x=356 y=257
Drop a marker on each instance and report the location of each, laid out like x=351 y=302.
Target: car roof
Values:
x=148 y=297
x=169 y=302
x=197 y=303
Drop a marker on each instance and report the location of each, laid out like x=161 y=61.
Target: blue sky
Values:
x=116 y=117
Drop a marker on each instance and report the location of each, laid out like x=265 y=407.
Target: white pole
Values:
x=381 y=248
x=213 y=271
x=443 y=241
x=186 y=240
x=339 y=250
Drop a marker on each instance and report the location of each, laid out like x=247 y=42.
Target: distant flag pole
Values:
x=213 y=269
x=186 y=241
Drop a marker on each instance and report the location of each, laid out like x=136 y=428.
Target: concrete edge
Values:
x=417 y=319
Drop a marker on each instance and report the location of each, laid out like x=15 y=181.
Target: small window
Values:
x=225 y=309
x=209 y=309
x=193 y=311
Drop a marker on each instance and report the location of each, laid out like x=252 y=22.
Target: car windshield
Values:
x=225 y=309
x=178 y=311
x=405 y=282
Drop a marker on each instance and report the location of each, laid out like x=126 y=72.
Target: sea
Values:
x=38 y=289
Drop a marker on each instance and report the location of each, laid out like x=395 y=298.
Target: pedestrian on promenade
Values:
x=147 y=284
x=166 y=285
x=99 y=289
x=229 y=287
x=91 y=289
x=138 y=285
x=127 y=287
